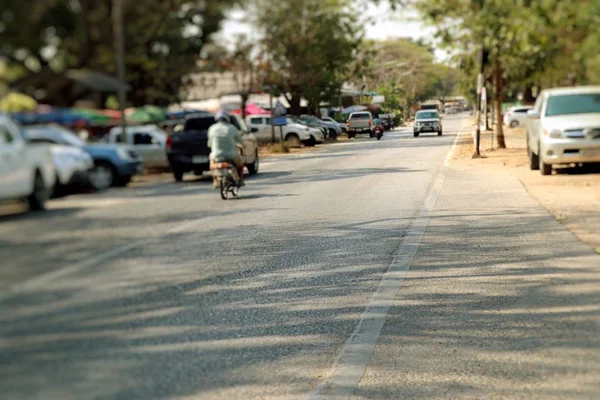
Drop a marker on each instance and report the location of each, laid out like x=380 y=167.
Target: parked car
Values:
x=341 y=125
x=73 y=165
x=360 y=122
x=333 y=130
x=427 y=121
x=188 y=150
x=316 y=125
x=148 y=140
x=516 y=116
x=292 y=132
x=317 y=132
x=26 y=171
x=564 y=128
x=114 y=164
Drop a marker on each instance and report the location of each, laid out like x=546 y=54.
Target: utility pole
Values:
x=272 y=115
x=119 y=37
x=480 y=83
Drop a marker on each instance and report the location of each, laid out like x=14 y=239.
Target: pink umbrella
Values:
x=252 y=109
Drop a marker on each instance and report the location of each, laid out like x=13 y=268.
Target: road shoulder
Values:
x=501 y=301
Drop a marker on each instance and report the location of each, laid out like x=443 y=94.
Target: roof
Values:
x=572 y=90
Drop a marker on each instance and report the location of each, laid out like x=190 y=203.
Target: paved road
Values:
x=167 y=291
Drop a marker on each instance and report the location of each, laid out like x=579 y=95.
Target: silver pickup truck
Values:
x=360 y=122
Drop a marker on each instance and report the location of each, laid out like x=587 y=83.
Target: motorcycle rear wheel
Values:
x=224 y=189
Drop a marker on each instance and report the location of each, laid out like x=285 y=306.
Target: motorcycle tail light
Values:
x=220 y=165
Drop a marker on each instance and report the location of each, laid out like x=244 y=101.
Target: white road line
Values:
x=351 y=363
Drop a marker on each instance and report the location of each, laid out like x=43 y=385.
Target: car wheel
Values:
x=102 y=176
x=293 y=140
x=514 y=124
x=439 y=133
x=310 y=142
x=371 y=134
x=415 y=134
x=534 y=161
x=178 y=175
x=351 y=135
x=253 y=168
x=37 y=199
x=545 y=169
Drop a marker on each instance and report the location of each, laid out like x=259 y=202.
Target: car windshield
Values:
x=427 y=115
x=310 y=118
x=61 y=135
x=586 y=103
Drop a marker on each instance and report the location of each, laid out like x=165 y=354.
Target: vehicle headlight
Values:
x=556 y=134
x=124 y=154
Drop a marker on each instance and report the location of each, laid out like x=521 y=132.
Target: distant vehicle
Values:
x=188 y=150
x=333 y=129
x=318 y=131
x=292 y=132
x=341 y=125
x=148 y=140
x=516 y=116
x=114 y=164
x=311 y=124
x=378 y=128
x=388 y=121
x=26 y=171
x=73 y=165
x=427 y=121
x=564 y=128
x=360 y=122
x=434 y=107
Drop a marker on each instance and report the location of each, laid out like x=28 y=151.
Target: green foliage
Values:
x=310 y=46
x=163 y=39
x=405 y=72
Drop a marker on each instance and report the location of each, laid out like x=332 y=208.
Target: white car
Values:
x=26 y=171
x=148 y=140
x=564 y=128
x=293 y=132
x=516 y=116
x=342 y=125
x=72 y=164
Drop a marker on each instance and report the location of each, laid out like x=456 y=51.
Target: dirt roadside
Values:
x=572 y=195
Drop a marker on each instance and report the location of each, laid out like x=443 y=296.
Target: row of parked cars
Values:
x=37 y=161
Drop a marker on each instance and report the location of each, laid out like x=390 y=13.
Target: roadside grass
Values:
x=277 y=148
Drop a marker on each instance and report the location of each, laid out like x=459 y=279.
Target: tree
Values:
x=408 y=67
x=311 y=54
x=534 y=42
x=164 y=40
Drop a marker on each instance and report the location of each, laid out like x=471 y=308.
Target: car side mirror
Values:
x=533 y=114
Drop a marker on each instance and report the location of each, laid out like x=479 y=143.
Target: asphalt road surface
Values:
x=289 y=291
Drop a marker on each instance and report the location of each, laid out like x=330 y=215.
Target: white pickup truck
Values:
x=26 y=171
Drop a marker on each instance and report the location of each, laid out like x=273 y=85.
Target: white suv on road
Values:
x=564 y=128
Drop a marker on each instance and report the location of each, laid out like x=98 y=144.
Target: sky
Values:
x=388 y=24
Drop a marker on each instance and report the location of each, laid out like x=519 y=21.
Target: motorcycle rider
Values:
x=223 y=141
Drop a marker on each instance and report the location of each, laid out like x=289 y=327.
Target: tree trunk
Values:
x=294 y=101
x=528 y=95
x=245 y=97
x=499 y=95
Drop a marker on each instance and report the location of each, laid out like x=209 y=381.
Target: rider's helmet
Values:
x=222 y=116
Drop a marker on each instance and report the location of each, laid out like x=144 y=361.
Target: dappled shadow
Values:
x=200 y=320
x=23 y=214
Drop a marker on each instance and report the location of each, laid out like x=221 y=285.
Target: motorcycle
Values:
x=227 y=177
x=378 y=131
